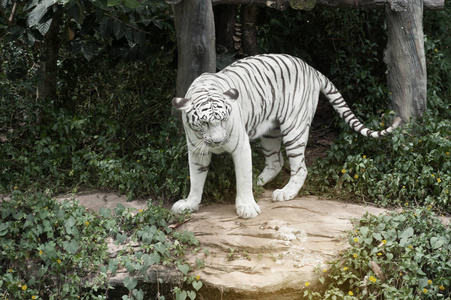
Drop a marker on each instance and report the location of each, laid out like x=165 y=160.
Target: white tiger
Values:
x=272 y=97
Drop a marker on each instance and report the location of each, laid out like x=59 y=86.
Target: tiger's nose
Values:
x=216 y=141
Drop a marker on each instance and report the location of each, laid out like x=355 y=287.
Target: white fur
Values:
x=271 y=97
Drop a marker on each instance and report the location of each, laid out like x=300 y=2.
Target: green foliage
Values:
x=344 y=44
x=395 y=256
x=90 y=27
x=117 y=140
x=47 y=249
x=412 y=165
x=53 y=250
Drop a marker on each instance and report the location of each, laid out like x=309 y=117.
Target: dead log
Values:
x=405 y=58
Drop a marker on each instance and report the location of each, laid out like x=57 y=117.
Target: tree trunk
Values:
x=225 y=19
x=46 y=88
x=405 y=58
x=195 y=30
x=249 y=37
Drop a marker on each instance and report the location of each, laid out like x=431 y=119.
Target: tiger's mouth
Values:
x=217 y=143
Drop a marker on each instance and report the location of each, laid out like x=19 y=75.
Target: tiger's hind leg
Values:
x=270 y=144
x=295 y=142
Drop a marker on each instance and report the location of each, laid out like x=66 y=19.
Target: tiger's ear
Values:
x=181 y=103
x=232 y=94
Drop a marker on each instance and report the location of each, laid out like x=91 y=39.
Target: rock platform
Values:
x=269 y=257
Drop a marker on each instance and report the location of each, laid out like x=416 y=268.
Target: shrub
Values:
x=52 y=250
x=396 y=256
x=412 y=165
x=113 y=139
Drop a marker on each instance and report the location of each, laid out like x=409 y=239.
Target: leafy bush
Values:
x=396 y=256
x=52 y=250
x=47 y=248
x=116 y=139
x=413 y=165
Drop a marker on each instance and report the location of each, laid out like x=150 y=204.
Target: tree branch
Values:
x=13 y=12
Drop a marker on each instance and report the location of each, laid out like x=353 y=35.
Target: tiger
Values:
x=271 y=97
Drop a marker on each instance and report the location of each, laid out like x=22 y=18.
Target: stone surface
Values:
x=269 y=257
x=96 y=201
x=275 y=253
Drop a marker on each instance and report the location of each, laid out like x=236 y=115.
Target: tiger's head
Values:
x=208 y=113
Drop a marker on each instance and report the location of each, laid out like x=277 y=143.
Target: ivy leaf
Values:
x=130 y=283
x=118 y=30
x=160 y=247
x=132 y=3
x=191 y=295
x=121 y=238
x=3 y=228
x=105 y=212
x=183 y=268
x=364 y=230
x=154 y=258
x=114 y=2
x=197 y=285
x=102 y=4
x=437 y=242
x=377 y=236
x=112 y=266
x=42 y=271
x=406 y=233
x=69 y=225
x=71 y=247
x=180 y=295
x=151 y=259
x=138 y=294
x=6 y=212
x=405 y=236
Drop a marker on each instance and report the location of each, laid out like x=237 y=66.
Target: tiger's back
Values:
x=273 y=89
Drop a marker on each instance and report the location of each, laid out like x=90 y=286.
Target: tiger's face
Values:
x=208 y=113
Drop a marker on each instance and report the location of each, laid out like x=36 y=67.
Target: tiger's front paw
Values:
x=182 y=205
x=248 y=211
x=283 y=195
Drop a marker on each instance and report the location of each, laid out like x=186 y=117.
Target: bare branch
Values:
x=13 y=12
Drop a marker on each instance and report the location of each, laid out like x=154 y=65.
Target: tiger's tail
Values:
x=339 y=104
